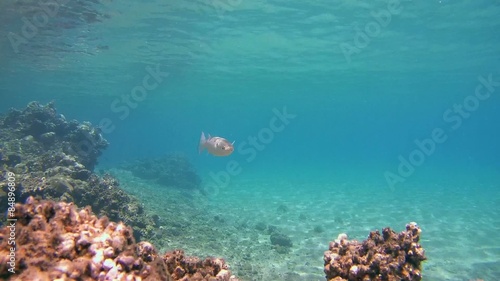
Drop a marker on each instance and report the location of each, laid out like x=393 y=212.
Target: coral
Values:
x=54 y=159
x=172 y=170
x=386 y=256
x=39 y=128
x=56 y=241
x=194 y=269
x=105 y=196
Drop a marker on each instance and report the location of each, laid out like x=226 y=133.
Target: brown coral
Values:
x=187 y=268
x=56 y=241
x=389 y=256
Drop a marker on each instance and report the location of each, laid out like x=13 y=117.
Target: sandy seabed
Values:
x=460 y=225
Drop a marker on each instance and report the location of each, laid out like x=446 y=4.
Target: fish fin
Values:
x=232 y=143
x=203 y=140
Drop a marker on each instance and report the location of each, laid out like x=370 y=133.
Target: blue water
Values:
x=362 y=82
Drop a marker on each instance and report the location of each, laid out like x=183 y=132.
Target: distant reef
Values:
x=53 y=158
x=172 y=170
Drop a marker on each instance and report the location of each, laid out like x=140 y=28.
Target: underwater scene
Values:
x=264 y=140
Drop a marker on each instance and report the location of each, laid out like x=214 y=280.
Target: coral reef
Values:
x=54 y=159
x=194 y=269
x=386 y=256
x=39 y=129
x=56 y=241
x=172 y=170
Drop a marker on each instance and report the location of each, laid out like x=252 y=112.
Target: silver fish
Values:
x=215 y=145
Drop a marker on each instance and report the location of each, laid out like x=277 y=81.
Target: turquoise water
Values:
x=366 y=114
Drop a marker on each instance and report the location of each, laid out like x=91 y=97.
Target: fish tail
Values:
x=203 y=140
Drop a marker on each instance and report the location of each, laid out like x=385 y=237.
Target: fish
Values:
x=215 y=145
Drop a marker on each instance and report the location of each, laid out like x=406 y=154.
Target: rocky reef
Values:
x=386 y=256
x=39 y=129
x=57 y=241
x=54 y=158
x=173 y=170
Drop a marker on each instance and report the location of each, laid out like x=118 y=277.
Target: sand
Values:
x=460 y=224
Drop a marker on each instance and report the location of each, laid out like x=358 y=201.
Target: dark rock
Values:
x=261 y=226
x=11 y=159
x=156 y=219
x=48 y=138
x=83 y=174
x=280 y=239
x=319 y=229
